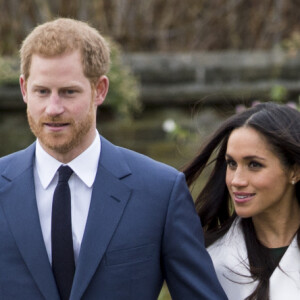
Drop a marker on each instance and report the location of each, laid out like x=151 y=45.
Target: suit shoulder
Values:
x=5 y=160
x=16 y=159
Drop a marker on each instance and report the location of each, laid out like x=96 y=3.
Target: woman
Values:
x=250 y=204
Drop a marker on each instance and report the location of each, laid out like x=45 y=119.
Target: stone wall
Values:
x=170 y=86
x=211 y=77
x=214 y=77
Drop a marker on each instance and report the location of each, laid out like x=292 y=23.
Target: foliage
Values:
x=123 y=94
x=156 y=25
x=292 y=44
x=176 y=132
x=278 y=93
x=9 y=71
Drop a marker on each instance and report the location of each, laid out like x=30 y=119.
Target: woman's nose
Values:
x=239 y=178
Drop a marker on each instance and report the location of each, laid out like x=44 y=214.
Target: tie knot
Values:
x=65 y=173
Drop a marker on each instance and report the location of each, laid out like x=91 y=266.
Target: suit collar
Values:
x=112 y=160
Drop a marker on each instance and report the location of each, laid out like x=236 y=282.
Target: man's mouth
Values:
x=56 y=124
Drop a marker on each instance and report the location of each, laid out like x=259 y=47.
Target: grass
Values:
x=164 y=294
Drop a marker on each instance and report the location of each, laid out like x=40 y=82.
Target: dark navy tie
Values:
x=63 y=264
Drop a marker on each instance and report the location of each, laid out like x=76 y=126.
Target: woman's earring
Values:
x=293 y=182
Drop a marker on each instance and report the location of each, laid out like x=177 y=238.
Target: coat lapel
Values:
x=229 y=255
x=19 y=205
x=287 y=276
x=109 y=198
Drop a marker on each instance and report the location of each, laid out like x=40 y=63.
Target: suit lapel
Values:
x=109 y=198
x=19 y=205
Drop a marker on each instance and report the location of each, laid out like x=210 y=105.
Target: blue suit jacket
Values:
x=141 y=229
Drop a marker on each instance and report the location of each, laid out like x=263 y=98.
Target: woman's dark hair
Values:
x=280 y=125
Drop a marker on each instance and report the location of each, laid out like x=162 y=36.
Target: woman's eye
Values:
x=255 y=165
x=231 y=164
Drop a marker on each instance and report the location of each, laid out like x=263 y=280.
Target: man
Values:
x=110 y=223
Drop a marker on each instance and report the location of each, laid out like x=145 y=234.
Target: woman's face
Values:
x=257 y=181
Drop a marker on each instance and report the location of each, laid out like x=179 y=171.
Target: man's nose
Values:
x=54 y=105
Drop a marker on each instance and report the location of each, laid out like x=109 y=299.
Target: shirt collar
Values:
x=84 y=165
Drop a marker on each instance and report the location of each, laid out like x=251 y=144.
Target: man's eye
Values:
x=42 y=91
x=69 y=92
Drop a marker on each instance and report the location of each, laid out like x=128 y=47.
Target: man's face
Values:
x=61 y=104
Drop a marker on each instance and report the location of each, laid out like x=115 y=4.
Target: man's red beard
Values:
x=61 y=142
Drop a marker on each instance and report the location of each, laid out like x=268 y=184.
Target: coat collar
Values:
x=230 y=253
x=287 y=276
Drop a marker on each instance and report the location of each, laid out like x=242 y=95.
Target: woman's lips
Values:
x=242 y=197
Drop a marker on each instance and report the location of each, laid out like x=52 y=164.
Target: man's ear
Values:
x=23 y=87
x=101 y=90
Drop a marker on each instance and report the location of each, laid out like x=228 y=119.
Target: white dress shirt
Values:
x=81 y=182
